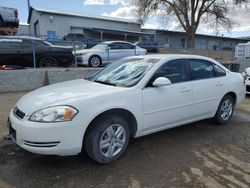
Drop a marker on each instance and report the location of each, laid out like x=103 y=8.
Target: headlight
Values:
x=54 y=114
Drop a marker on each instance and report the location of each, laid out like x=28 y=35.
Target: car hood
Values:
x=86 y=51
x=61 y=47
x=64 y=93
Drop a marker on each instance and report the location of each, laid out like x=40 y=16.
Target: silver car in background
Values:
x=107 y=52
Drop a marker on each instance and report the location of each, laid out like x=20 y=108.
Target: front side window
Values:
x=219 y=71
x=101 y=46
x=124 y=73
x=201 y=69
x=115 y=46
x=176 y=71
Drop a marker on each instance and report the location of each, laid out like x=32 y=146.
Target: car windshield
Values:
x=124 y=73
x=101 y=46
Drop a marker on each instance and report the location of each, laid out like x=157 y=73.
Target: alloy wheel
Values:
x=112 y=140
x=226 y=109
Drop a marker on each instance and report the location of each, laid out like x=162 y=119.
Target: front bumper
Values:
x=64 y=138
x=82 y=60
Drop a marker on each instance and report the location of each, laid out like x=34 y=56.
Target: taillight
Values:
x=16 y=13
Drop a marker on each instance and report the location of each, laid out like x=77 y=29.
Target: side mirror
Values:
x=108 y=48
x=161 y=81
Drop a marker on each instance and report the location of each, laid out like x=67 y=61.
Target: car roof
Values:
x=110 y=42
x=173 y=56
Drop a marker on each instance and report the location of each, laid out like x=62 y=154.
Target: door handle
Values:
x=185 y=89
x=219 y=83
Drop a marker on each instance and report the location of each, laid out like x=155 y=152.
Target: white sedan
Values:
x=107 y=52
x=133 y=97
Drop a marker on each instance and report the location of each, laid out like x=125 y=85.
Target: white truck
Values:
x=8 y=17
x=242 y=51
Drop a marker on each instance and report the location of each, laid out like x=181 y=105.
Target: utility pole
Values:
x=28 y=1
x=28 y=6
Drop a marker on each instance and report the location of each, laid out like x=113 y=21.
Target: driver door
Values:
x=170 y=105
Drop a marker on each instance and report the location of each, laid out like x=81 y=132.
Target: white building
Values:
x=48 y=22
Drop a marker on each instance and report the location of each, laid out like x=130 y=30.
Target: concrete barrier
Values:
x=30 y=79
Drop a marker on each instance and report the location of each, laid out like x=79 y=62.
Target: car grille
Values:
x=12 y=132
x=18 y=113
x=41 y=144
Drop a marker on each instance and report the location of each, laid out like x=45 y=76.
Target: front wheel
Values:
x=48 y=62
x=95 y=61
x=107 y=139
x=225 y=110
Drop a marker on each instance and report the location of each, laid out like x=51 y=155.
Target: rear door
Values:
x=207 y=86
x=129 y=49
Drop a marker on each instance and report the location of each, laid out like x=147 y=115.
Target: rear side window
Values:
x=127 y=46
x=201 y=69
x=219 y=71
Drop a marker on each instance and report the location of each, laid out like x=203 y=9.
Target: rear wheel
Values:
x=225 y=110
x=48 y=62
x=107 y=139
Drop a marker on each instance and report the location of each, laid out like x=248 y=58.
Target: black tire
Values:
x=225 y=110
x=95 y=61
x=98 y=131
x=48 y=62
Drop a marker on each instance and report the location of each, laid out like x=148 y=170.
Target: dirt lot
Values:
x=196 y=155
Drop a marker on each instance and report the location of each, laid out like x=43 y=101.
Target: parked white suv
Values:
x=107 y=52
x=133 y=97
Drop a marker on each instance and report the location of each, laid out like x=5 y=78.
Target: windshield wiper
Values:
x=106 y=83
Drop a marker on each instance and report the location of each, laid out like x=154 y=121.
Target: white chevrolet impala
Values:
x=133 y=97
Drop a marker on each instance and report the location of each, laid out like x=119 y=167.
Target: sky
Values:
x=124 y=9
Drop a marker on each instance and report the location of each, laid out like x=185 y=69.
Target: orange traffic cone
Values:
x=46 y=79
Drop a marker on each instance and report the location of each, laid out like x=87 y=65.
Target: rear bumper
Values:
x=82 y=60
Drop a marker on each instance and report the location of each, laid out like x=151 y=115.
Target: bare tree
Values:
x=190 y=13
